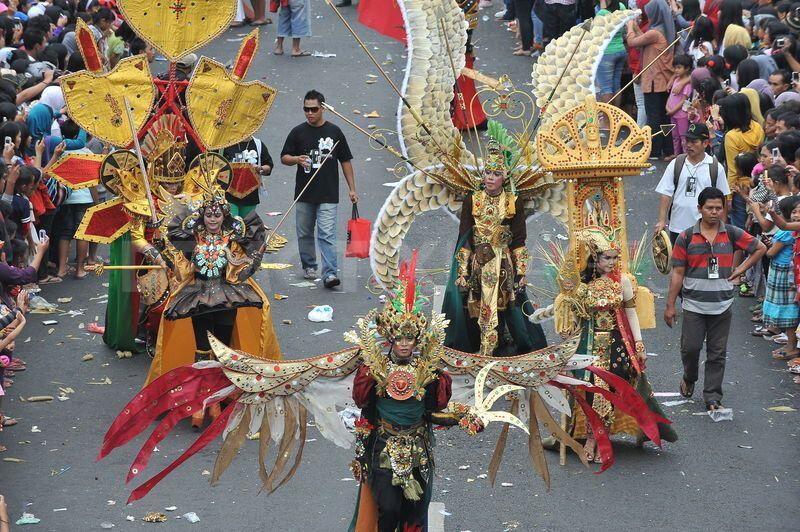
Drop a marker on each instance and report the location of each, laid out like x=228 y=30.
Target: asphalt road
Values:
x=735 y=475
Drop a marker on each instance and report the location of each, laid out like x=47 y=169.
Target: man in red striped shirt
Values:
x=702 y=272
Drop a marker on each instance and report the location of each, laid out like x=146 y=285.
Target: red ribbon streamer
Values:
x=211 y=432
x=598 y=429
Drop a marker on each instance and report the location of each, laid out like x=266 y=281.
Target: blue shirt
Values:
x=784 y=256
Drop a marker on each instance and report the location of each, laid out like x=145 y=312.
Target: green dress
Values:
x=123 y=299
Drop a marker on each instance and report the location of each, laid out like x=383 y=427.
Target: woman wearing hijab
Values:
x=755 y=105
x=655 y=80
x=731 y=28
x=40 y=117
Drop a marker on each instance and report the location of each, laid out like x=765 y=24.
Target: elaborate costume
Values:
x=395 y=373
x=217 y=255
x=602 y=305
x=491 y=261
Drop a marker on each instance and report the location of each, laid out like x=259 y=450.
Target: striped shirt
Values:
x=692 y=251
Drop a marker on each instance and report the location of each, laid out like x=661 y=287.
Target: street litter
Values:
x=506 y=484
x=111 y=503
x=373 y=114
x=781 y=409
x=287 y=322
x=191 y=517
x=106 y=525
x=346 y=479
x=666 y=394
x=104 y=381
x=321 y=313
x=59 y=509
x=324 y=55
x=14 y=460
x=322 y=331
x=130 y=518
x=154 y=517
x=675 y=403
x=87 y=357
x=275 y=266
x=273 y=213
x=721 y=414
x=49 y=322
x=279 y=297
x=28 y=519
x=39 y=398
x=745 y=446
x=35 y=428
x=304 y=284
x=64 y=299
x=124 y=354
x=463 y=467
x=483 y=475
x=171 y=508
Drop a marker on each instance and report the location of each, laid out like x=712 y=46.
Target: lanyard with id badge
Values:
x=691 y=186
x=713 y=260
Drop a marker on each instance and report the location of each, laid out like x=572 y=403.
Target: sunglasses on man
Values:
x=310 y=109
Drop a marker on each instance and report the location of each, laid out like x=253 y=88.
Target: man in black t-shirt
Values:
x=316 y=145
x=254 y=152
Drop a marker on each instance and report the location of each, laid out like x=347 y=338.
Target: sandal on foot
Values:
x=302 y=53
x=713 y=405
x=589 y=449
x=686 y=389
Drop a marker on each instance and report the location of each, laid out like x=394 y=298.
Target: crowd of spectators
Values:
x=725 y=77
x=38 y=215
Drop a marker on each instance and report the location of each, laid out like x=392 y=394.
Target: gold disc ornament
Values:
x=661 y=249
x=400 y=385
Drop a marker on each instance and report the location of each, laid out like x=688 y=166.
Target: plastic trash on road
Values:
x=349 y=416
x=721 y=414
x=321 y=313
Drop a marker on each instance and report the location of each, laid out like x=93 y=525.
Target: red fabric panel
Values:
x=363 y=384
x=89 y=50
x=76 y=170
x=106 y=222
x=472 y=115
x=245 y=57
x=444 y=391
x=383 y=16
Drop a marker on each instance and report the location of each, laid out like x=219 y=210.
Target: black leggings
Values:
x=219 y=323
x=655 y=104
x=522 y=8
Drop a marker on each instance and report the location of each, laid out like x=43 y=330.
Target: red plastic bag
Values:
x=358 y=236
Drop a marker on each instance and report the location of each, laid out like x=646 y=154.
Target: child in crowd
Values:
x=781 y=309
x=680 y=91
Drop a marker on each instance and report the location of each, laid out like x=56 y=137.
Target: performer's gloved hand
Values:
x=519 y=285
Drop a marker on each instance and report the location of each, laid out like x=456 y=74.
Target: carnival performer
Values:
x=603 y=304
x=397 y=372
x=487 y=292
x=468 y=113
x=401 y=394
x=217 y=255
x=166 y=157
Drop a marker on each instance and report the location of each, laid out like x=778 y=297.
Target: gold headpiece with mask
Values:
x=597 y=236
x=495 y=157
x=402 y=315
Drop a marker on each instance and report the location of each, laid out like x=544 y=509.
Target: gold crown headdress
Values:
x=165 y=150
x=495 y=158
x=599 y=235
x=403 y=314
x=205 y=172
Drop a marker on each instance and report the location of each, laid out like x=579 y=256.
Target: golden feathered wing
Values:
x=428 y=87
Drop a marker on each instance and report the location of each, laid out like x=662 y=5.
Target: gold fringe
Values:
x=302 y=443
x=289 y=428
x=265 y=436
x=535 y=448
x=555 y=429
x=231 y=446
x=497 y=456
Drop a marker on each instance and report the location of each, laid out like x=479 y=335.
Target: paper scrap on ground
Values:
x=324 y=55
x=303 y=284
x=781 y=409
x=372 y=114
x=675 y=403
x=323 y=331
x=274 y=266
x=666 y=394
